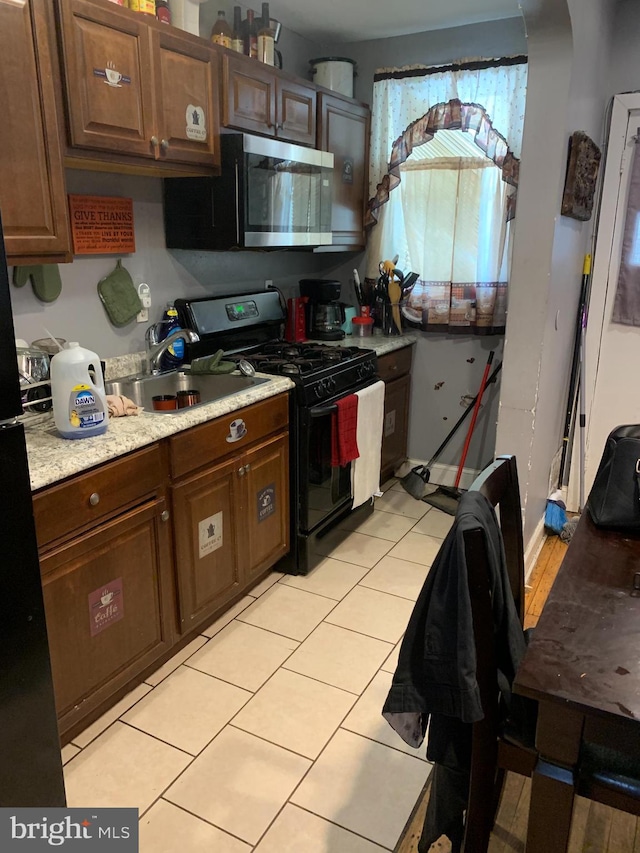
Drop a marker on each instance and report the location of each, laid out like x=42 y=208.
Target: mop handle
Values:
x=474 y=417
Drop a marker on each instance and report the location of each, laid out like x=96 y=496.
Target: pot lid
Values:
x=332 y=59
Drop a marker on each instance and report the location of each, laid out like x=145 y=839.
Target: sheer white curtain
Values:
x=445 y=149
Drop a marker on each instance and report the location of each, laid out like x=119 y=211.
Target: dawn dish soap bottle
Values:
x=77 y=387
x=174 y=355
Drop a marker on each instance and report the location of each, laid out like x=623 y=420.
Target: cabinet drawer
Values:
x=91 y=497
x=395 y=364
x=213 y=441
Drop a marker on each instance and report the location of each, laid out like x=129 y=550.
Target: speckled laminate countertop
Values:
x=52 y=458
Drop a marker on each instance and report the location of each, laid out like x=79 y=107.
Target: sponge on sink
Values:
x=211 y=364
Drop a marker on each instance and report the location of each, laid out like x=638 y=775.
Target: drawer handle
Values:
x=241 y=471
x=164 y=515
x=94 y=499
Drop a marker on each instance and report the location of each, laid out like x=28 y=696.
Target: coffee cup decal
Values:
x=106 y=598
x=237 y=430
x=111 y=75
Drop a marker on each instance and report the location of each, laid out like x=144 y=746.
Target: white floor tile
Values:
x=296 y=712
x=173 y=663
x=188 y=709
x=383 y=525
x=390 y=484
x=339 y=657
x=123 y=767
x=401 y=503
x=353 y=547
x=397 y=577
x=298 y=831
x=265 y=584
x=85 y=737
x=363 y=786
x=417 y=548
x=166 y=829
x=229 y=616
x=391 y=663
x=435 y=523
x=373 y=613
x=243 y=655
x=288 y=611
x=366 y=718
x=239 y=783
x=68 y=752
x=332 y=578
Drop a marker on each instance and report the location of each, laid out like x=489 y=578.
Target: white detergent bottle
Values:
x=77 y=387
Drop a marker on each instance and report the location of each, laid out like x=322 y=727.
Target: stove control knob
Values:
x=317 y=390
x=331 y=384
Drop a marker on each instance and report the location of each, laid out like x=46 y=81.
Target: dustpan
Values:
x=415 y=481
x=445 y=498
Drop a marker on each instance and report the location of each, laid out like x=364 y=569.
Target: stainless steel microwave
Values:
x=270 y=194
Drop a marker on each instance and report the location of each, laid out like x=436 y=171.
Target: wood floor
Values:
x=595 y=828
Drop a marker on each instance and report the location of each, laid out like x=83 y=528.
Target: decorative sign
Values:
x=210 y=534
x=101 y=225
x=106 y=606
x=111 y=76
x=347 y=170
x=266 y=500
x=196 y=127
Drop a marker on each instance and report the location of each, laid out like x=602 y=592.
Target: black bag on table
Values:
x=614 y=500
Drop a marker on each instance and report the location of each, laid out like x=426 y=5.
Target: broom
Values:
x=415 y=481
x=445 y=497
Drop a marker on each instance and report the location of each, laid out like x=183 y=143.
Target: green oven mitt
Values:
x=119 y=296
x=45 y=280
x=211 y=364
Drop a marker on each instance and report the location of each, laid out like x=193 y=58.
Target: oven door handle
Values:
x=322 y=411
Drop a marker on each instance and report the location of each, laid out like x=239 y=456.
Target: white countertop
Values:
x=52 y=458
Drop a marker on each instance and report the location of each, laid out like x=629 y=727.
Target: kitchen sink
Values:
x=143 y=388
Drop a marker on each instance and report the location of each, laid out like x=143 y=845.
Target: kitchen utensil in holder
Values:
x=392 y=318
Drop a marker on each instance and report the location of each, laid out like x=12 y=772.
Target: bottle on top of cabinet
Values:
x=250 y=33
x=221 y=31
x=163 y=12
x=266 y=40
x=237 y=42
x=145 y=7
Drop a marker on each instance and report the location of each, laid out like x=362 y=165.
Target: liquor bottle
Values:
x=221 y=31
x=266 y=42
x=237 y=42
x=250 y=33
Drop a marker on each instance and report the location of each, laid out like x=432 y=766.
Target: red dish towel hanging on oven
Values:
x=344 y=424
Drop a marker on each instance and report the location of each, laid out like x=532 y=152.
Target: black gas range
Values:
x=249 y=326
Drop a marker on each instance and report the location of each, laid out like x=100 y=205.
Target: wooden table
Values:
x=583 y=668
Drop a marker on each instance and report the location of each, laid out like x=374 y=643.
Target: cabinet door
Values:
x=396 y=425
x=344 y=131
x=109 y=608
x=107 y=61
x=248 y=96
x=186 y=75
x=296 y=113
x=207 y=541
x=265 y=513
x=32 y=193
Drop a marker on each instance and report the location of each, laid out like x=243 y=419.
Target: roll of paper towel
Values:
x=185 y=14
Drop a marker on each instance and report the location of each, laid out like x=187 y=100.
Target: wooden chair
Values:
x=492 y=753
x=603 y=775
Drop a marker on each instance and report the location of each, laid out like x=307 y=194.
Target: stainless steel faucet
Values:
x=157 y=350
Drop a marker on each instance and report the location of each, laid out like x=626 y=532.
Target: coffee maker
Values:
x=325 y=315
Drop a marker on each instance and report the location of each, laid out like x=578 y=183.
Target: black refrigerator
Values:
x=30 y=760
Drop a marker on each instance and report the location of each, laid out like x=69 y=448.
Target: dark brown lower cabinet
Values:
x=394 y=369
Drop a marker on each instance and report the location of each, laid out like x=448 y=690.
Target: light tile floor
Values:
x=265 y=732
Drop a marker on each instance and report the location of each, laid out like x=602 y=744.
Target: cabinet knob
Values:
x=94 y=499
x=247 y=468
x=164 y=515
x=279 y=125
x=241 y=471
x=154 y=141
x=164 y=145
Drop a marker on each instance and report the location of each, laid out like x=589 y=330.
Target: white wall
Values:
x=566 y=92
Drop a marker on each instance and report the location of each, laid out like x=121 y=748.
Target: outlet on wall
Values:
x=268 y=283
